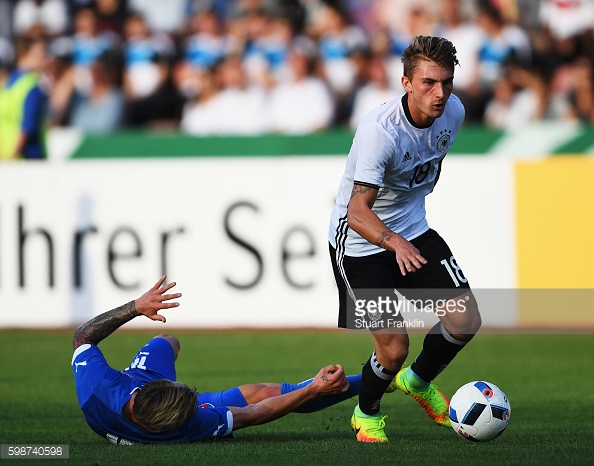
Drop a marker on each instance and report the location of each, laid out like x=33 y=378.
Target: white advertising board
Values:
x=244 y=238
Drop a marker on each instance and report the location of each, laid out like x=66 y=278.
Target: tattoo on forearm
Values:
x=384 y=238
x=103 y=325
x=359 y=189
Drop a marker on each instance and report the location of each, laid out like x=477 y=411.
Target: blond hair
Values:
x=435 y=49
x=162 y=405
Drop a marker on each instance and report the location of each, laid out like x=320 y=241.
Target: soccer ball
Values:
x=479 y=411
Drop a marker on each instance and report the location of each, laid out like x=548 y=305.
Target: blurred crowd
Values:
x=222 y=67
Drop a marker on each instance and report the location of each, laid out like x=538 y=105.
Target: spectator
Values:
x=150 y=99
x=361 y=12
x=375 y=92
x=566 y=19
x=341 y=53
x=414 y=18
x=226 y=104
x=339 y=41
x=521 y=98
x=101 y=110
x=241 y=103
x=389 y=15
x=261 y=33
x=166 y=16
x=87 y=45
x=6 y=54
x=202 y=116
x=248 y=34
x=61 y=83
x=581 y=96
x=111 y=15
x=206 y=44
x=499 y=107
x=303 y=104
x=146 y=59
x=267 y=55
x=23 y=104
x=51 y=14
x=269 y=35
x=467 y=38
x=503 y=44
x=201 y=50
x=6 y=17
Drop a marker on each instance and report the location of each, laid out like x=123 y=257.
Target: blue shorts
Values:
x=156 y=360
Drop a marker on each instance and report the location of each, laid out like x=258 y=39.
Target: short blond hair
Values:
x=160 y=405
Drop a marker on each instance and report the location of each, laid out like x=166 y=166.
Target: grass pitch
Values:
x=547 y=378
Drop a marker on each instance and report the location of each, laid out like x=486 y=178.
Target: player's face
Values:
x=428 y=91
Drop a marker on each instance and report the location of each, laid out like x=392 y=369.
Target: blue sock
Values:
x=415 y=382
x=322 y=402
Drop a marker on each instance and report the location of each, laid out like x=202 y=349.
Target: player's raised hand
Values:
x=155 y=299
x=330 y=380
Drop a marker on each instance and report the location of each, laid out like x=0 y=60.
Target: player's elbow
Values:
x=248 y=416
x=354 y=218
x=80 y=337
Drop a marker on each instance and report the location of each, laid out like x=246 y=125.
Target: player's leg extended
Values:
x=445 y=340
x=378 y=372
x=442 y=281
x=441 y=345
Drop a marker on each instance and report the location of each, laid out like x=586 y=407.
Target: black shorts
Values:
x=440 y=279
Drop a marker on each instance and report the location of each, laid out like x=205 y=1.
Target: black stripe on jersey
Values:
x=341 y=237
x=369 y=185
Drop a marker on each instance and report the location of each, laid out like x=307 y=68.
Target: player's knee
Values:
x=469 y=326
x=395 y=355
x=259 y=392
x=269 y=392
x=474 y=320
x=173 y=341
x=477 y=322
x=391 y=350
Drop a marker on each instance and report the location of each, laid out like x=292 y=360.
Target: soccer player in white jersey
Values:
x=380 y=239
x=145 y=404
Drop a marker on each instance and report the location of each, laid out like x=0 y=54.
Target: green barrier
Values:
x=134 y=144
x=578 y=145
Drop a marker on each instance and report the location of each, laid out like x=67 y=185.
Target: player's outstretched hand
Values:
x=330 y=380
x=151 y=302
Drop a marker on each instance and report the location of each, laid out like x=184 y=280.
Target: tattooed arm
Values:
x=364 y=221
x=149 y=304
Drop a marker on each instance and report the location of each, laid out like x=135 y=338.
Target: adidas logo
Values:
x=407 y=157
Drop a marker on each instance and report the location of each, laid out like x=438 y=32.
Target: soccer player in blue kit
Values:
x=145 y=404
x=380 y=239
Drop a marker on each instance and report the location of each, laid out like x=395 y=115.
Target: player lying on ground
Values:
x=144 y=403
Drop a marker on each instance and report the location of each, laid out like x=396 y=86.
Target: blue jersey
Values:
x=103 y=392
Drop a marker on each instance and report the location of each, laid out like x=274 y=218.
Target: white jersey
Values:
x=402 y=161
